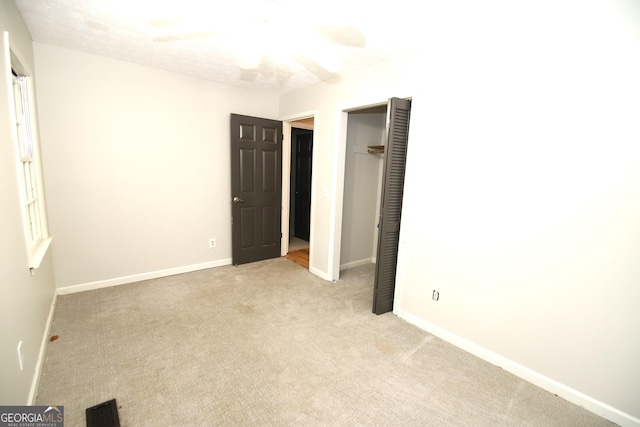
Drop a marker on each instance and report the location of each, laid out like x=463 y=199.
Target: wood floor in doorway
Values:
x=300 y=257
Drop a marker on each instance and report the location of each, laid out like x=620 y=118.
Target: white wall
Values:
x=362 y=184
x=26 y=300
x=522 y=193
x=138 y=169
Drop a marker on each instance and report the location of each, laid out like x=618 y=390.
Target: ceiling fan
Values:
x=269 y=43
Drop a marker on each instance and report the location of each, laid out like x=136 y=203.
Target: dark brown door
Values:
x=303 y=159
x=256 y=188
x=395 y=157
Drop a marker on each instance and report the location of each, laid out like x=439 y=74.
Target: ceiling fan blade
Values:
x=345 y=36
x=166 y=23
x=186 y=36
x=317 y=70
x=248 y=75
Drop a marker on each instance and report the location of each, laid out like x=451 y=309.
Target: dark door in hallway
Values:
x=303 y=144
x=256 y=188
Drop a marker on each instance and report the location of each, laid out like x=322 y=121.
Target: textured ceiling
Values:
x=211 y=39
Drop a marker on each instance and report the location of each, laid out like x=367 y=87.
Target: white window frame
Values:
x=29 y=168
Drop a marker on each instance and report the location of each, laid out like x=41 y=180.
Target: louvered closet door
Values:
x=395 y=157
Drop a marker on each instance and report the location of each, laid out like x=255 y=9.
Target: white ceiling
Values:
x=128 y=30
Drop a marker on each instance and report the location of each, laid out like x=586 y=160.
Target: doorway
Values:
x=382 y=218
x=249 y=174
x=362 y=186
x=298 y=157
x=301 y=169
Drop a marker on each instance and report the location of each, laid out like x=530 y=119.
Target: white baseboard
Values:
x=567 y=393
x=320 y=273
x=142 y=276
x=358 y=263
x=43 y=348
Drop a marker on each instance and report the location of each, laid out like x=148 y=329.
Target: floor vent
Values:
x=103 y=415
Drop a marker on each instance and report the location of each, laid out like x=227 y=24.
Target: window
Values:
x=29 y=171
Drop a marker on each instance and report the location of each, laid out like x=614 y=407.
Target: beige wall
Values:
x=26 y=300
x=138 y=173
x=522 y=193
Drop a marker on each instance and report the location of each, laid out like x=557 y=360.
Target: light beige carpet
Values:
x=269 y=344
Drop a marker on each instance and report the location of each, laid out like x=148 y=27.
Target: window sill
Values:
x=38 y=254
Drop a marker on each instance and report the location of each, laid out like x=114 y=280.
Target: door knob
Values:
x=237 y=200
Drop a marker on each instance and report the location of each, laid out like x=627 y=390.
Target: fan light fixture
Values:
x=280 y=43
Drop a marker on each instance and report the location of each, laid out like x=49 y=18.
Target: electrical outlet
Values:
x=435 y=295
x=212 y=243
x=20 y=362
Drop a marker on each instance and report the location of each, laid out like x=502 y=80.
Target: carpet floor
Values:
x=270 y=344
